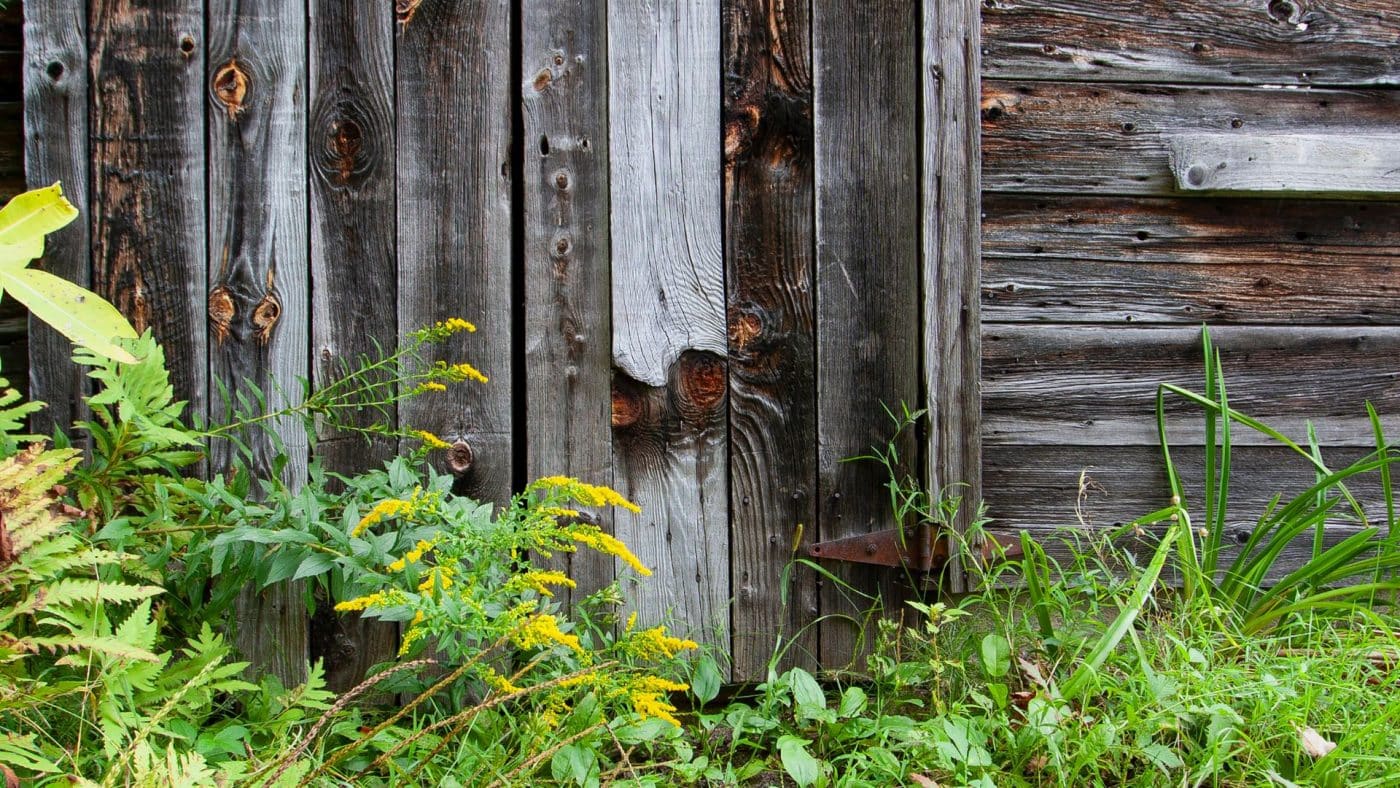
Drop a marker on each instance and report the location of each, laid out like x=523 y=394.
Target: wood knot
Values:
x=265 y=316
x=743 y=328
x=405 y=9
x=347 y=140
x=187 y=45
x=231 y=87
x=626 y=407
x=221 y=312
x=543 y=79
x=739 y=130
x=460 y=457
x=702 y=381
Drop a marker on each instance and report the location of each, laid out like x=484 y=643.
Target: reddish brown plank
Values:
x=772 y=385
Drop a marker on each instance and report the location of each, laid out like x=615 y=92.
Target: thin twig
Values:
x=480 y=707
x=285 y=761
x=533 y=763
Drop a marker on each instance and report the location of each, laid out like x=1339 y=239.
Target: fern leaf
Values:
x=79 y=590
x=100 y=644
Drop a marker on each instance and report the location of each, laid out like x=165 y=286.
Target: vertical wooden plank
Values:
x=454 y=246
x=669 y=339
x=772 y=385
x=952 y=249
x=867 y=229
x=148 y=189
x=568 y=326
x=56 y=149
x=351 y=149
x=258 y=310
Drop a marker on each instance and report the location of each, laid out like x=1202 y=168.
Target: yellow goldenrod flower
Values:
x=391 y=507
x=591 y=677
x=607 y=544
x=363 y=602
x=542 y=631
x=654 y=643
x=441 y=330
x=439 y=577
x=650 y=705
x=540 y=581
x=632 y=621
x=558 y=512
x=499 y=683
x=413 y=635
x=585 y=493
x=430 y=440
x=424 y=388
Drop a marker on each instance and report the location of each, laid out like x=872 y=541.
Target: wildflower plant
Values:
x=472 y=592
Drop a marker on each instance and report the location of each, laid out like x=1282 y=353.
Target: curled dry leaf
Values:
x=924 y=782
x=1314 y=743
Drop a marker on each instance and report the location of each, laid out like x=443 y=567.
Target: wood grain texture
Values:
x=867 y=151
x=351 y=182
x=147 y=140
x=1337 y=164
x=1225 y=232
x=1086 y=385
x=669 y=338
x=1113 y=139
x=1291 y=42
x=568 y=295
x=772 y=386
x=454 y=246
x=55 y=123
x=258 y=298
x=952 y=253
x=1044 y=488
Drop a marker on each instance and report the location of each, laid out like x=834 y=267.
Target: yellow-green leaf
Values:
x=26 y=219
x=78 y=314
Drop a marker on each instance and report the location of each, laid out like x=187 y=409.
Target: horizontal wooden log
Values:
x=1288 y=42
x=1085 y=385
x=1336 y=164
x=1114 y=138
x=1045 y=488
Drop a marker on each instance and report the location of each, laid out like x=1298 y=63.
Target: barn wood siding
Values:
x=1097 y=272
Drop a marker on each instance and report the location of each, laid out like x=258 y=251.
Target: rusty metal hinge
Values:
x=917 y=548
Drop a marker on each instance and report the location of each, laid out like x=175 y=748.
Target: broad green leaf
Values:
x=996 y=655
x=25 y=220
x=797 y=762
x=806 y=692
x=78 y=314
x=705 y=679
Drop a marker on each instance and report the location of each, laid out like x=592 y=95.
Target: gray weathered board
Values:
x=707 y=240
x=1098 y=270
x=1334 y=164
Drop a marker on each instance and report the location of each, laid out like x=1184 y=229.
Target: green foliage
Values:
x=79 y=314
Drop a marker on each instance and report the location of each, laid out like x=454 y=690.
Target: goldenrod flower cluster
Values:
x=593 y=537
x=645 y=695
x=377 y=599
x=413 y=556
x=654 y=643
x=424 y=388
x=540 y=581
x=439 y=577
x=442 y=330
x=431 y=441
x=397 y=507
x=543 y=631
x=584 y=493
x=456 y=373
x=498 y=682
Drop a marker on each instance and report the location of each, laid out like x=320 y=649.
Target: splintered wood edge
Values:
x=1358 y=165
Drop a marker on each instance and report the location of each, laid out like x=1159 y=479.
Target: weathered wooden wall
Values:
x=693 y=280
x=1097 y=272
x=707 y=240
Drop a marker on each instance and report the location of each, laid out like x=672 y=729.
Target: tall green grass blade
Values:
x=1124 y=622
x=1387 y=486
x=1037 y=578
x=1316 y=451
x=1212 y=368
x=1188 y=560
x=1216 y=527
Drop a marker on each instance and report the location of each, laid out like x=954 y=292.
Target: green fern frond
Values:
x=106 y=645
x=71 y=591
